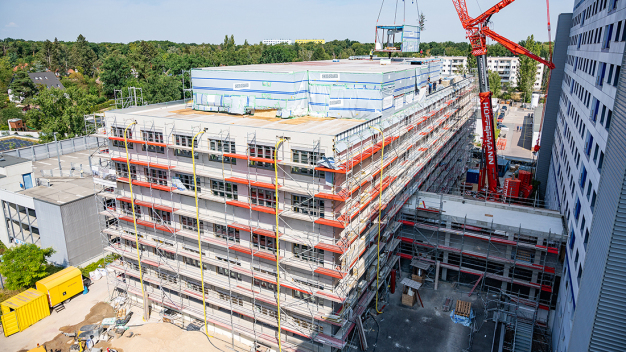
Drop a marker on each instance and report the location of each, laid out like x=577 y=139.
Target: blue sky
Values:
x=208 y=21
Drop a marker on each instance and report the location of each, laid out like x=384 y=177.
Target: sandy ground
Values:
x=165 y=337
x=48 y=328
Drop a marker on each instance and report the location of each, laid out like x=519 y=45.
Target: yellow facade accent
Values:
x=23 y=310
x=317 y=41
x=62 y=285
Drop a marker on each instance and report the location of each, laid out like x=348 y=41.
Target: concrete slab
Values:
x=519 y=142
x=47 y=328
x=425 y=329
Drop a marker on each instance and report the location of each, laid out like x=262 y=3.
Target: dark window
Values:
x=191 y=224
x=184 y=141
x=261 y=151
x=263 y=197
x=161 y=216
x=122 y=170
x=156 y=176
x=224 y=147
x=227 y=233
x=119 y=132
x=306 y=158
x=187 y=181
x=308 y=253
x=307 y=205
x=156 y=137
x=224 y=189
x=264 y=242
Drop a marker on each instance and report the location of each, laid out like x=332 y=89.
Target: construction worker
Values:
x=372 y=54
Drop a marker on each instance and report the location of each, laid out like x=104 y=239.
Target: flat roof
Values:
x=534 y=219
x=261 y=120
x=8 y=160
x=344 y=65
x=62 y=190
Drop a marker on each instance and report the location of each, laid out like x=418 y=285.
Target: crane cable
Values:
x=132 y=204
x=195 y=189
x=549 y=75
x=280 y=347
x=380 y=210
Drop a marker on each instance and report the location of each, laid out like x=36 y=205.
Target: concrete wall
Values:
x=82 y=234
x=49 y=215
x=552 y=102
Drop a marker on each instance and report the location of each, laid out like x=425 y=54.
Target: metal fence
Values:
x=49 y=150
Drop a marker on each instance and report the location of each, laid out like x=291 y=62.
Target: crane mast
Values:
x=477 y=31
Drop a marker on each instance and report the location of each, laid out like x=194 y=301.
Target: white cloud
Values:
x=11 y=24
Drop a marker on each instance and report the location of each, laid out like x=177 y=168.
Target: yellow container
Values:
x=62 y=285
x=23 y=310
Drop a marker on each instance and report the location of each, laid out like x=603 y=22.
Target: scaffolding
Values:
x=337 y=209
x=482 y=249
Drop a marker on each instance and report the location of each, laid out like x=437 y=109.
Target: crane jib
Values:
x=489 y=140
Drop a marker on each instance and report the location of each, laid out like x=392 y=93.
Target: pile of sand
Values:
x=165 y=337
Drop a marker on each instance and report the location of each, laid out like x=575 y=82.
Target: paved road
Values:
x=519 y=142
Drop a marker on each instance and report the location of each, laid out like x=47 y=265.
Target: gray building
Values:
x=61 y=215
x=586 y=178
x=559 y=58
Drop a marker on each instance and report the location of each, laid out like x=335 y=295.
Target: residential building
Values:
x=47 y=79
x=276 y=41
x=585 y=175
x=506 y=67
x=298 y=179
x=453 y=65
x=56 y=209
x=304 y=41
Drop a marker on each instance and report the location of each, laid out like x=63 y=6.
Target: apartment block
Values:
x=300 y=171
x=506 y=67
x=277 y=41
x=584 y=178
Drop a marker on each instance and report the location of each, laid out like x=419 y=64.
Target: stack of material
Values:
x=511 y=187
x=525 y=177
x=525 y=191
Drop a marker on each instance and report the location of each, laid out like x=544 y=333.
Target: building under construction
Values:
x=276 y=195
x=511 y=251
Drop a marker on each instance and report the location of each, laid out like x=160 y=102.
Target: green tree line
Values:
x=91 y=72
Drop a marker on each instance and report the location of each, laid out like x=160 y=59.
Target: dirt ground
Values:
x=165 y=337
x=62 y=343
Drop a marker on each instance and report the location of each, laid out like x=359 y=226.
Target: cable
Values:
x=280 y=347
x=195 y=189
x=132 y=204
x=377 y=332
x=380 y=210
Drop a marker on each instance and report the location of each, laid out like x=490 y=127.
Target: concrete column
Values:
x=444 y=271
x=505 y=273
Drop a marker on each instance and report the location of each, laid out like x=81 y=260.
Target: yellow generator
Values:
x=23 y=310
x=62 y=285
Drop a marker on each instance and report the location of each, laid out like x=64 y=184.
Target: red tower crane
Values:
x=477 y=31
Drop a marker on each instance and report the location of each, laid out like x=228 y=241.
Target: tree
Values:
x=83 y=56
x=60 y=111
x=160 y=88
x=527 y=71
x=22 y=86
x=115 y=72
x=10 y=112
x=277 y=54
x=422 y=22
x=24 y=265
x=495 y=83
x=320 y=54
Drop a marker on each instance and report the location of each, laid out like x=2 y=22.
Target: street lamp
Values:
x=58 y=155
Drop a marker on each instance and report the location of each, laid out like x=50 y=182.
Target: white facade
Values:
x=506 y=67
x=452 y=65
x=277 y=41
x=594 y=56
